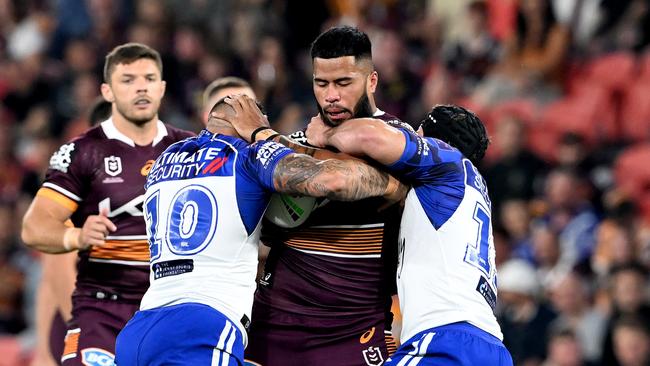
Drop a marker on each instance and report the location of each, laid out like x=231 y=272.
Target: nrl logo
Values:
x=113 y=165
x=372 y=356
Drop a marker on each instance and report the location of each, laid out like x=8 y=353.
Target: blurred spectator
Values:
x=523 y=318
x=533 y=60
x=582 y=18
x=624 y=27
x=570 y=214
x=628 y=292
x=398 y=86
x=570 y=297
x=475 y=51
x=12 y=320
x=631 y=342
x=546 y=255
x=502 y=245
x=564 y=349
x=515 y=219
x=517 y=171
x=271 y=81
x=614 y=247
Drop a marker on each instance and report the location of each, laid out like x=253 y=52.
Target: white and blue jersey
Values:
x=204 y=201
x=446 y=275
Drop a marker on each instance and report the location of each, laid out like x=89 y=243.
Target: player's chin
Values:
x=333 y=122
x=141 y=117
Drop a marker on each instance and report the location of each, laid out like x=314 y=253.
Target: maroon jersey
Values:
x=337 y=266
x=104 y=170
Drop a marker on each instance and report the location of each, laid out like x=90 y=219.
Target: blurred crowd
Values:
x=562 y=85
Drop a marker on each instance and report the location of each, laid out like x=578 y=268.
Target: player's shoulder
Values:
x=89 y=139
x=394 y=121
x=264 y=152
x=78 y=150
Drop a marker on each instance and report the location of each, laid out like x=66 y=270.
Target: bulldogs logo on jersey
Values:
x=113 y=165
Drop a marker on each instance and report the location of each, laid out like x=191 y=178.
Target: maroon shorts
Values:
x=57 y=334
x=90 y=339
x=303 y=344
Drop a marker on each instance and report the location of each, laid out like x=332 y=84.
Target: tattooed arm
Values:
x=343 y=180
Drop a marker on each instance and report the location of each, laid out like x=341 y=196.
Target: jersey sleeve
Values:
x=425 y=159
x=64 y=177
x=262 y=160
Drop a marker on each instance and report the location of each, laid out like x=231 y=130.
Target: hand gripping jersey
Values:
x=446 y=271
x=204 y=201
x=104 y=169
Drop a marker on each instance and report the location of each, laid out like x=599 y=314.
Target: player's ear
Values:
x=164 y=87
x=373 y=79
x=107 y=92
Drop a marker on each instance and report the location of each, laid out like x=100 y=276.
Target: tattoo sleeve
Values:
x=343 y=180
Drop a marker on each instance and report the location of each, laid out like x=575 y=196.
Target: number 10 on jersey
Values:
x=191 y=221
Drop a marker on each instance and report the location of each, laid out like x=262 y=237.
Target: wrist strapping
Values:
x=272 y=136
x=257 y=130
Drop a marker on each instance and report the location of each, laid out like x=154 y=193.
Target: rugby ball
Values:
x=289 y=211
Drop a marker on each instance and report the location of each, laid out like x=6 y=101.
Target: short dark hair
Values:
x=100 y=111
x=459 y=128
x=221 y=103
x=223 y=83
x=129 y=53
x=342 y=41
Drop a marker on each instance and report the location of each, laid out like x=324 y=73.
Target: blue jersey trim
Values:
x=436 y=173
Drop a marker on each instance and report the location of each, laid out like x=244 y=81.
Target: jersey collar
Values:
x=378 y=113
x=112 y=133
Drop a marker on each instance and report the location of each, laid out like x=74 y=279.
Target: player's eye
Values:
x=321 y=84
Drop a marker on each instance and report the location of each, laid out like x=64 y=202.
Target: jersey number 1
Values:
x=478 y=254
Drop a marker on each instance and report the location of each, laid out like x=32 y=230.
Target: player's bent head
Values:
x=127 y=54
x=222 y=107
x=340 y=42
x=459 y=128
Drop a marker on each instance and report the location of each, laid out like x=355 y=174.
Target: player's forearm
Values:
x=368 y=138
x=343 y=180
x=48 y=235
x=362 y=181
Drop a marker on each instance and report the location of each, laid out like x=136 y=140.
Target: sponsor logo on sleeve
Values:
x=266 y=152
x=97 y=357
x=61 y=159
